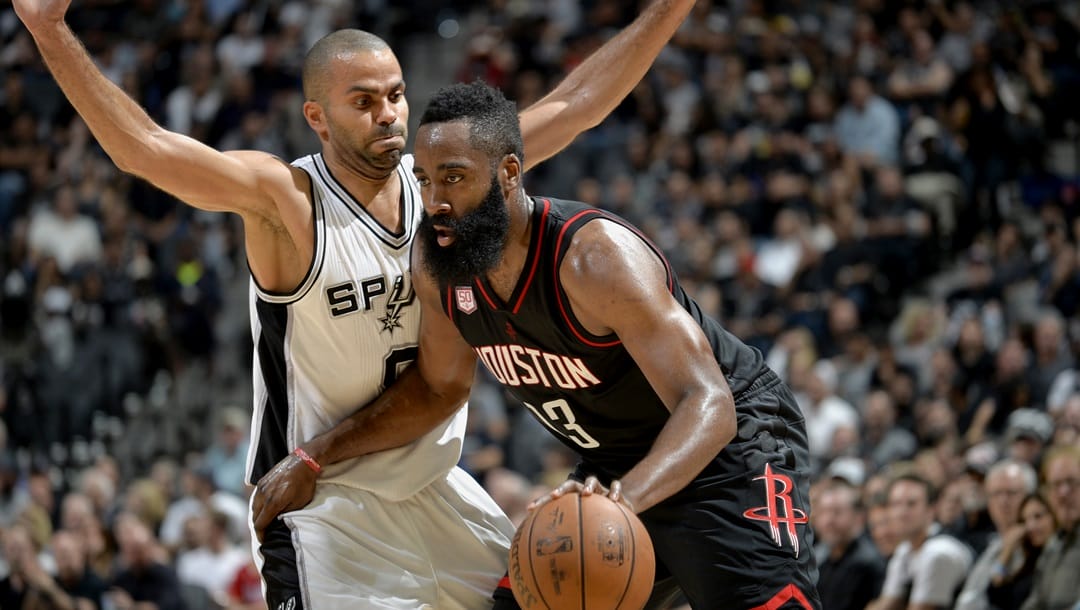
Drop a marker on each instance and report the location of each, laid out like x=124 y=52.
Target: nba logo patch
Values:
x=466 y=300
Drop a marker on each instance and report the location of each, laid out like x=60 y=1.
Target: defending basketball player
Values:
x=579 y=316
x=335 y=319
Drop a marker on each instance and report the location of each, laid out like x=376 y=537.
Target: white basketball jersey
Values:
x=340 y=339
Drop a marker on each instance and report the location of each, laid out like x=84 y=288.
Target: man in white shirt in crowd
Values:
x=929 y=567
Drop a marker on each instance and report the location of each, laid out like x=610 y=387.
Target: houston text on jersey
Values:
x=516 y=365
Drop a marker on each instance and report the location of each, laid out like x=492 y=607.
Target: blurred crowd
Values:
x=883 y=197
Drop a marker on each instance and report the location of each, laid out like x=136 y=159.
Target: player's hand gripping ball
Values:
x=582 y=553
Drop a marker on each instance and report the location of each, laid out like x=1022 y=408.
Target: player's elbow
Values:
x=143 y=158
x=724 y=421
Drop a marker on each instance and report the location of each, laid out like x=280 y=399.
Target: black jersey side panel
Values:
x=271 y=445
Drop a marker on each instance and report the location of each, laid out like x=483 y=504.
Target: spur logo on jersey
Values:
x=515 y=365
x=351 y=297
x=779 y=510
x=466 y=299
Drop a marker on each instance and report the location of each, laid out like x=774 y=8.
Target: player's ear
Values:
x=313 y=112
x=510 y=170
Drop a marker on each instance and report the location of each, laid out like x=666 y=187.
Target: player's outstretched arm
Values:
x=424 y=395
x=592 y=90
x=182 y=166
x=615 y=283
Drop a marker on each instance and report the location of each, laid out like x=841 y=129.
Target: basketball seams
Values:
x=532 y=562
x=633 y=556
x=581 y=550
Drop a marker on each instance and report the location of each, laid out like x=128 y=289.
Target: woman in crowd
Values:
x=1014 y=572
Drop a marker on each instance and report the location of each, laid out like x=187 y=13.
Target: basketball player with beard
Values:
x=335 y=320
x=580 y=317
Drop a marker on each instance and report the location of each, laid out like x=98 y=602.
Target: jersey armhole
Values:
x=562 y=244
x=317 y=257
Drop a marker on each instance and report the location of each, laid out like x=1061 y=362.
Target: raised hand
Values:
x=40 y=13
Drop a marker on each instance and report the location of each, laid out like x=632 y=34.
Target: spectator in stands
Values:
x=1067 y=422
x=825 y=412
x=1009 y=390
x=966 y=518
x=200 y=495
x=928 y=567
x=867 y=126
x=850 y=570
x=73 y=575
x=212 y=565
x=883 y=532
x=920 y=80
x=1007 y=484
x=143 y=575
x=1050 y=355
x=227 y=456
x=1027 y=434
x=1056 y=583
x=1014 y=573
x=24 y=568
x=64 y=234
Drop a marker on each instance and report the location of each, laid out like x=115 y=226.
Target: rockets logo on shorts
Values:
x=779 y=510
x=466 y=299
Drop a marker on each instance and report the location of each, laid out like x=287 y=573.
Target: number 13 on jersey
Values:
x=557 y=415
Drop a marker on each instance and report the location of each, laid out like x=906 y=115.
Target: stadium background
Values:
x=881 y=196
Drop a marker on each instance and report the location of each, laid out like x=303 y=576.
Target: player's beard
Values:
x=479 y=238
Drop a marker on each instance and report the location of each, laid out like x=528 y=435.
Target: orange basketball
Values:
x=582 y=553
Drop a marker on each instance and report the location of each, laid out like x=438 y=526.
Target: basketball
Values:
x=582 y=553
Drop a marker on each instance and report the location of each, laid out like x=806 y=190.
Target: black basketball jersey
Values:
x=586 y=388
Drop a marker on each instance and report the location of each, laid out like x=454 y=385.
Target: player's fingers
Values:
x=257 y=500
x=258 y=523
x=560 y=491
x=568 y=486
x=615 y=493
x=592 y=485
x=542 y=500
x=268 y=509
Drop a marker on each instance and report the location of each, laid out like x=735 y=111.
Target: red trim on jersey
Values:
x=788 y=593
x=504 y=583
x=536 y=256
x=487 y=297
x=450 y=303
x=558 y=285
x=648 y=242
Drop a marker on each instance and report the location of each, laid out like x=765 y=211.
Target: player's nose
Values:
x=388 y=112
x=435 y=204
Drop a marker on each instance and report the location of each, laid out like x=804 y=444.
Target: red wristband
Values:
x=307 y=459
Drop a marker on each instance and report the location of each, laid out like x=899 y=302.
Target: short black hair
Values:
x=315 y=73
x=493 y=119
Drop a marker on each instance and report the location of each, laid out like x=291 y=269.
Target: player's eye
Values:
x=454 y=178
x=422 y=180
